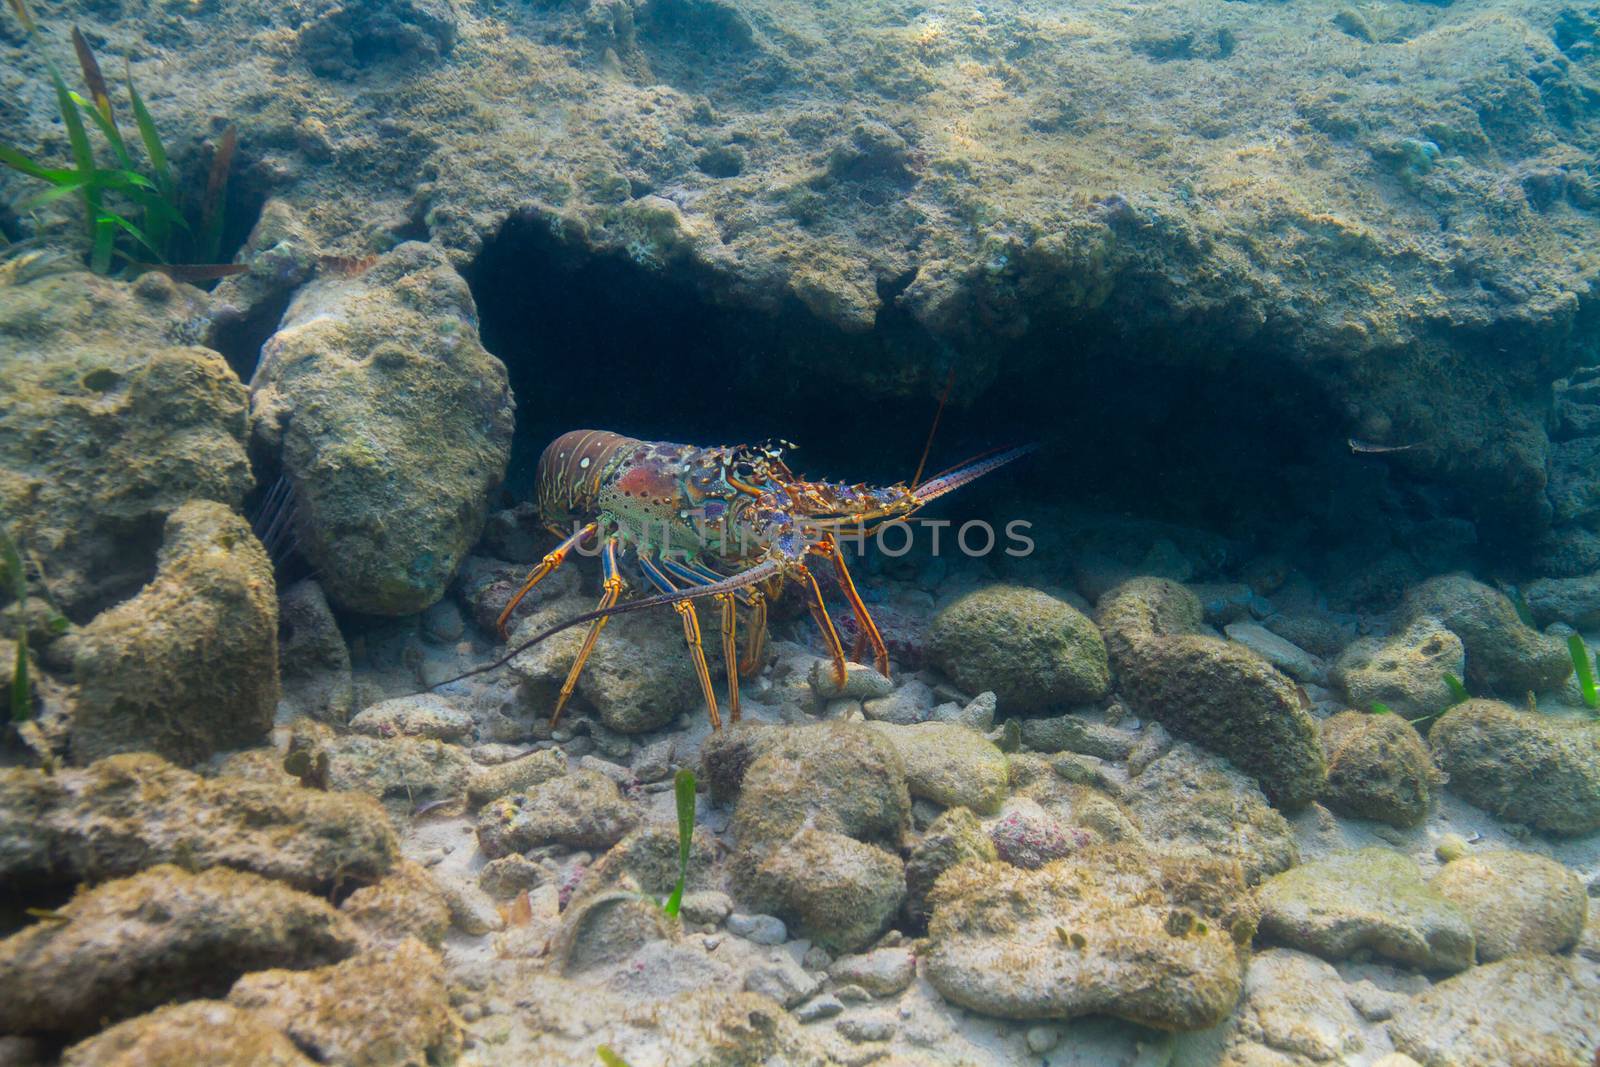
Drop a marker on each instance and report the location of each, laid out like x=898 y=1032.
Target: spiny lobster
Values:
x=731 y=523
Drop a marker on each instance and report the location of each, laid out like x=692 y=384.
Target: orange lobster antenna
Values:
x=949 y=383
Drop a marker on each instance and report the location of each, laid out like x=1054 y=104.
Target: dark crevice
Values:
x=239 y=338
x=1131 y=423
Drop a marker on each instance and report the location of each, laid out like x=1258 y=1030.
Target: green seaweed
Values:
x=113 y=197
x=610 y=1058
x=1380 y=708
x=683 y=786
x=1458 y=691
x=1580 y=666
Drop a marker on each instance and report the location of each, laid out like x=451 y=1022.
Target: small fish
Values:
x=1367 y=446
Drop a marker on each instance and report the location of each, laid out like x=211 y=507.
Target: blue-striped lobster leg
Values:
x=756 y=601
x=693 y=574
x=691 y=634
x=611 y=586
x=553 y=559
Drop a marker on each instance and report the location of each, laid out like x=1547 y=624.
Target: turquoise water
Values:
x=1099 y=496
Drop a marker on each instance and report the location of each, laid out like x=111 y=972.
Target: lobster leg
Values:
x=611 y=583
x=730 y=651
x=819 y=614
x=553 y=559
x=756 y=644
x=869 y=629
x=691 y=636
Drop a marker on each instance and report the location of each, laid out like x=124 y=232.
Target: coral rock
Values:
x=1505 y=656
x=1114 y=931
x=1030 y=649
x=1211 y=692
x=1378 y=768
x=583 y=809
x=387 y=1006
x=1373 y=899
x=1516 y=902
x=211 y=1032
x=1521 y=765
x=1405 y=671
x=393 y=425
x=128 y=812
x=132 y=945
x=190 y=665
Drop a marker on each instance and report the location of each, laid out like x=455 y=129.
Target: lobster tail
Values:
x=571 y=472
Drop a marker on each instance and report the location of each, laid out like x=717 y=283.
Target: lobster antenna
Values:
x=949 y=382
x=759 y=573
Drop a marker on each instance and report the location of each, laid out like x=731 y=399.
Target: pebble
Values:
x=866 y=1027
x=1450 y=847
x=816 y=958
x=783 y=980
x=706 y=906
x=653 y=763
x=1042 y=1039
x=761 y=929
x=882 y=973
x=824 y=1007
x=852 y=994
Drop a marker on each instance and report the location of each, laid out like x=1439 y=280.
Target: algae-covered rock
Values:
x=128 y=812
x=840 y=777
x=647 y=861
x=1085 y=804
x=837 y=891
x=1158 y=942
x=393 y=426
x=131 y=945
x=1378 y=768
x=1521 y=765
x=429 y=716
x=190 y=665
x=1505 y=656
x=583 y=809
x=1028 y=648
x=1212 y=692
x=638 y=678
x=955 y=837
x=1072 y=733
x=110 y=420
x=1516 y=902
x=513 y=776
x=1289 y=1015
x=1523 y=1010
x=407 y=903
x=950 y=764
x=1574 y=601
x=1373 y=899
x=1189 y=803
x=1405 y=671
x=405 y=773
x=384 y=1006
x=313 y=660
x=212 y=1032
